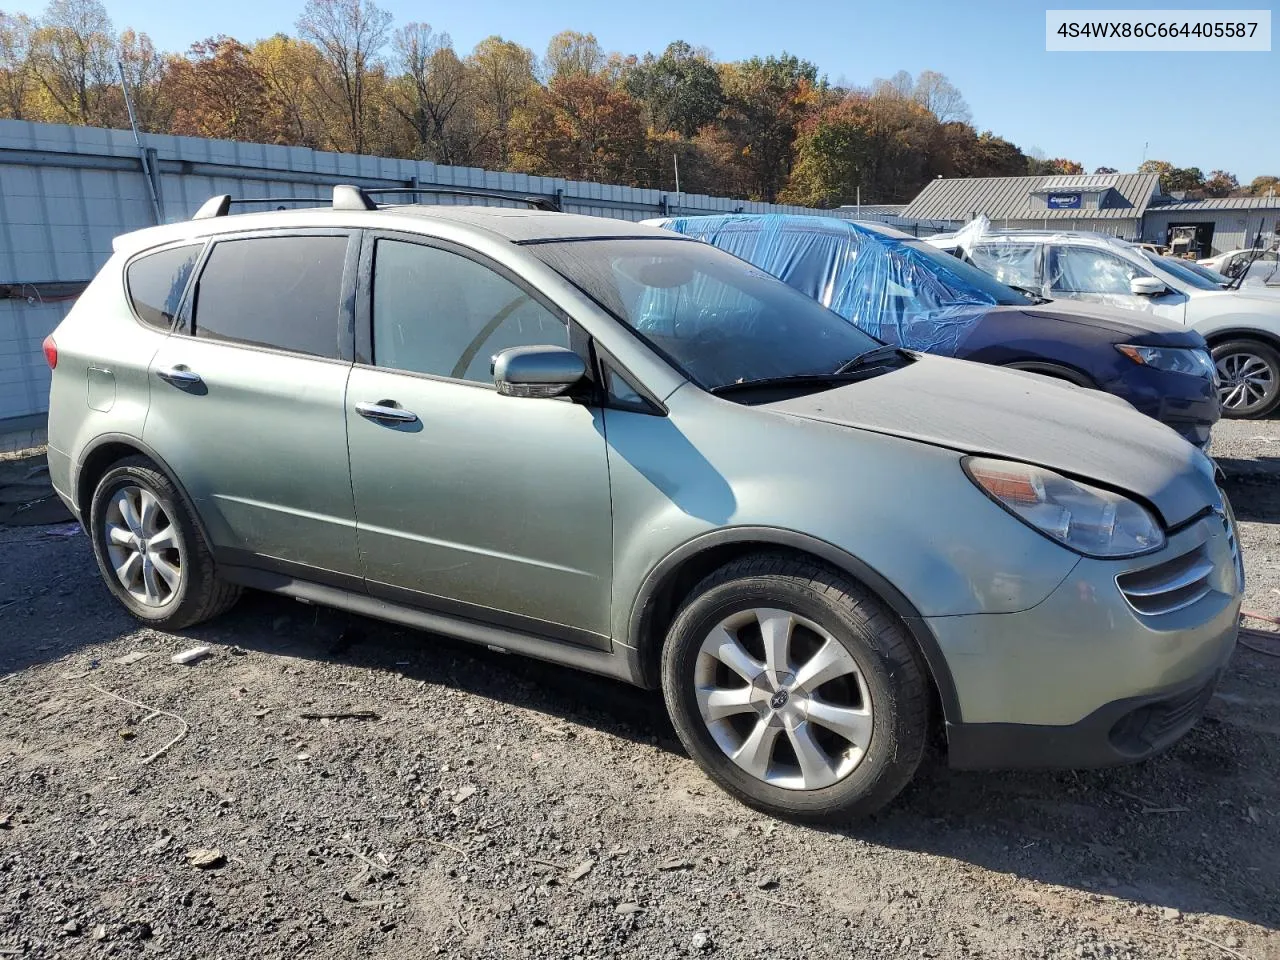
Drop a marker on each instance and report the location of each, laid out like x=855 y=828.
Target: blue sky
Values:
x=1211 y=110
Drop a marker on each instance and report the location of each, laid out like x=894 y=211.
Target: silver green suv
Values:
x=621 y=450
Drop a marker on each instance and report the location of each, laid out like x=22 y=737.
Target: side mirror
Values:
x=1146 y=287
x=541 y=371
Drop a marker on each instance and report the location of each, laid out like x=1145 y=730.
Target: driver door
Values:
x=1098 y=276
x=468 y=502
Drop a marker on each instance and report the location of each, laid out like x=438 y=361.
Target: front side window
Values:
x=442 y=314
x=156 y=282
x=717 y=319
x=1088 y=270
x=278 y=292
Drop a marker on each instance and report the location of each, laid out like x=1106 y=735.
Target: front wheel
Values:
x=796 y=690
x=1249 y=378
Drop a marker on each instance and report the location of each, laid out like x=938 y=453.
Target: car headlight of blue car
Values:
x=1192 y=362
x=1083 y=518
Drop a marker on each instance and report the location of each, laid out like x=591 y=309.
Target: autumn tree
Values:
x=570 y=53
x=680 y=90
x=1264 y=186
x=765 y=101
x=1221 y=184
x=295 y=108
x=1065 y=167
x=144 y=71
x=72 y=54
x=503 y=74
x=963 y=152
x=580 y=127
x=17 y=77
x=938 y=95
x=1102 y=170
x=432 y=94
x=882 y=148
x=218 y=92
x=350 y=35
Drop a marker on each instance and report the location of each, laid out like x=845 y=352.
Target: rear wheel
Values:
x=796 y=690
x=1249 y=376
x=150 y=550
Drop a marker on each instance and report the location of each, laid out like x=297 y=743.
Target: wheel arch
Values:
x=1216 y=337
x=1060 y=371
x=104 y=451
x=670 y=581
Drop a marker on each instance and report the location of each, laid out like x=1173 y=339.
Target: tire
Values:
x=882 y=706
x=140 y=523
x=1250 y=374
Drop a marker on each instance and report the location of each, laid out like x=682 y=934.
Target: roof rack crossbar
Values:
x=535 y=203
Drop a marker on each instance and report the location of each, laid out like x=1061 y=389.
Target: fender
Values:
x=639 y=634
x=97 y=443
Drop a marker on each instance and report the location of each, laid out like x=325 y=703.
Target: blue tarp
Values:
x=877 y=281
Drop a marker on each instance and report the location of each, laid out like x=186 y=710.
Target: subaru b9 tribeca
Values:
x=603 y=445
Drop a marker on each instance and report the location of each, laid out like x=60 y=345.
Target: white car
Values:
x=1260 y=267
x=1241 y=325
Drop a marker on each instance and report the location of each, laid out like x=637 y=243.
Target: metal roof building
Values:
x=1127 y=205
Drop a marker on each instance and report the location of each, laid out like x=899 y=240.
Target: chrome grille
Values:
x=1229 y=521
x=1169 y=586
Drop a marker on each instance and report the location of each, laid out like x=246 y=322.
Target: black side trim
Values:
x=1121 y=732
x=243 y=565
x=541 y=648
x=500 y=619
x=639 y=632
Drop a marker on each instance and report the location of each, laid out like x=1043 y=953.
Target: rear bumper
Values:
x=1120 y=732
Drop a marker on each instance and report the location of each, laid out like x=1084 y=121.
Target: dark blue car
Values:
x=912 y=295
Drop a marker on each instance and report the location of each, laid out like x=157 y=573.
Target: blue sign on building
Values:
x=1063 y=201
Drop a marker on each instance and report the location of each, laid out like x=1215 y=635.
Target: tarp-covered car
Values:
x=909 y=294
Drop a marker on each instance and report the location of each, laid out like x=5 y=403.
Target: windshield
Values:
x=1179 y=269
x=969 y=275
x=1200 y=270
x=716 y=318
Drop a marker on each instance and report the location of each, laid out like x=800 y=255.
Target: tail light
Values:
x=50 y=352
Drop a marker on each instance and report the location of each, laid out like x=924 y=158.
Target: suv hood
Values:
x=978 y=409
x=1126 y=323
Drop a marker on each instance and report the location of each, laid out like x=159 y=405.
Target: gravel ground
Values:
x=471 y=804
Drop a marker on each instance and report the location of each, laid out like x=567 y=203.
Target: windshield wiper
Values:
x=1030 y=294
x=872 y=357
x=793 y=380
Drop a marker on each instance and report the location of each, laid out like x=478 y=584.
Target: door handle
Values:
x=385 y=411
x=179 y=375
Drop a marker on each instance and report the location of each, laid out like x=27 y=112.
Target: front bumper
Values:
x=1091 y=677
x=1187 y=405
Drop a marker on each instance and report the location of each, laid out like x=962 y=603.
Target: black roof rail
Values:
x=535 y=203
x=220 y=205
x=349 y=197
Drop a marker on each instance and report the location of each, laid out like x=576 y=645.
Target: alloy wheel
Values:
x=1245 y=380
x=143 y=546
x=783 y=699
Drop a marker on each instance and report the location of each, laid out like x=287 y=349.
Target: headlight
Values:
x=1194 y=363
x=1088 y=520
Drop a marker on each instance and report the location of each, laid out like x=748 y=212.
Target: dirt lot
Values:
x=479 y=805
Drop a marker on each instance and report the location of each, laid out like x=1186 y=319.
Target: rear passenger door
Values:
x=471 y=503
x=247 y=399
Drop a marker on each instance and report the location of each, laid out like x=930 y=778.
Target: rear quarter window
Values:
x=155 y=283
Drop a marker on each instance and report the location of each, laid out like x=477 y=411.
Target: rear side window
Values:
x=278 y=292
x=155 y=283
